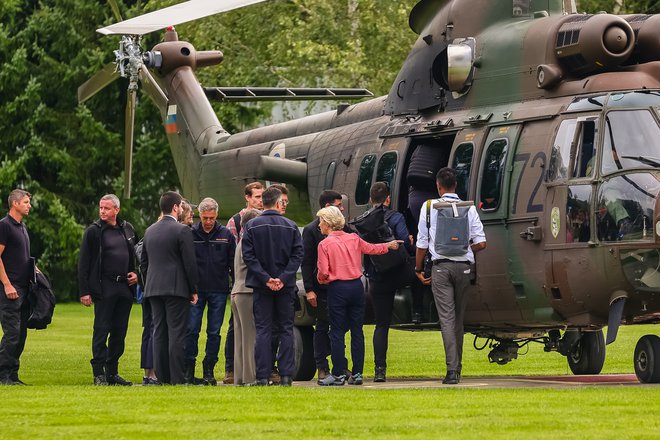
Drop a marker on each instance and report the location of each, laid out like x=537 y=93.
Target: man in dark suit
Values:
x=170 y=267
x=272 y=250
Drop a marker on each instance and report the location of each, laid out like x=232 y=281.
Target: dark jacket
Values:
x=397 y=224
x=215 y=258
x=272 y=248
x=168 y=261
x=91 y=252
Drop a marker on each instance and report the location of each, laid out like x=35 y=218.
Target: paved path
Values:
x=502 y=382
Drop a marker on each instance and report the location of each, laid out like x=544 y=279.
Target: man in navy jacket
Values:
x=273 y=251
x=214 y=248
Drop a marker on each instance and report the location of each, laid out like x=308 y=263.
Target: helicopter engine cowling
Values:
x=647 y=37
x=589 y=43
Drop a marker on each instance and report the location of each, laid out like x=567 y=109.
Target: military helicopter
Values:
x=551 y=119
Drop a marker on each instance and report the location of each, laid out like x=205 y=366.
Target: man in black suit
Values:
x=170 y=267
x=273 y=251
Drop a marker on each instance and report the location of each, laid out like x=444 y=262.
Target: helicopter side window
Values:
x=462 y=164
x=561 y=151
x=365 y=176
x=386 y=170
x=586 y=150
x=625 y=206
x=630 y=141
x=578 y=213
x=330 y=175
x=493 y=175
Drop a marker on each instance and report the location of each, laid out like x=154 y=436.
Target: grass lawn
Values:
x=62 y=404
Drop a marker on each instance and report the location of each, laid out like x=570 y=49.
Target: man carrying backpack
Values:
x=384 y=282
x=454 y=234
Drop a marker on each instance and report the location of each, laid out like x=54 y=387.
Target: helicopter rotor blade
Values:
x=97 y=82
x=173 y=15
x=115 y=9
x=152 y=88
x=128 y=141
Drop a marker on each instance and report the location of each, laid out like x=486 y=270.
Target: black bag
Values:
x=42 y=303
x=372 y=227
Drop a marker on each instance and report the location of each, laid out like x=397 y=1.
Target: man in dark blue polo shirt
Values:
x=273 y=251
x=16 y=269
x=214 y=248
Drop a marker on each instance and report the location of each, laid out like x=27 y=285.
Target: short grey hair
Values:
x=333 y=217
x=208 y=204
x=113 y=198
x=249 y=214
x=17 y=195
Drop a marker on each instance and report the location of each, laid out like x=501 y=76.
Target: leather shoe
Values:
x=229 y=378
x=100 y=380
x=115 y=379
x=451 y=378
x=274 y=378
x=286 y=381
x=379 y=374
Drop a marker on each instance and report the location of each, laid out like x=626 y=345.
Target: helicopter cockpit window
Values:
x=462 y=164
x=386 y=170
x=561 y=151
x=330 y=175
x=585 y=157
x=365 y=176
x=630 y=141
x=625 y=207
x=578 y=213
x=493 y=175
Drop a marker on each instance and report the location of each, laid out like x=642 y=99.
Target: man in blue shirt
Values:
x=273 y=251
x=214 y=248
x=450 y=276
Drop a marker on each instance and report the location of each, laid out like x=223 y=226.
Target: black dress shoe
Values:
x=451 y=378
x=115 y=379
x=100 y=380
x=286 y=381
x=379 y=375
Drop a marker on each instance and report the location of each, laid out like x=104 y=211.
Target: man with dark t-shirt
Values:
x=16 y=269
x=106 y=278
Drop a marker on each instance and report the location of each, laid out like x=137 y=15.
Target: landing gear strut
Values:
x=587 y=354
x=647 y=359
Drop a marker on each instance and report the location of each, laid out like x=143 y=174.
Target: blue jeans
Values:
x=214 y=317
x=346 y=310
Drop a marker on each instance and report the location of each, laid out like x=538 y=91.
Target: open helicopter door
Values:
x=494 y=184
x=569 y=206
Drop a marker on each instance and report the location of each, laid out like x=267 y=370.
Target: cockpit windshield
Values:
x=631 y=140
x=624 y=207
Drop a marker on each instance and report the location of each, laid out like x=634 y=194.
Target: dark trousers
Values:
x=273 y=315
x=147 y=347
x=170 y=314
x=382 y=291
x=449 y=282
x=321 y=331
x=215 y=314
x=111 y=314
x=229 y=346
x=346 y=312
x=13 y=318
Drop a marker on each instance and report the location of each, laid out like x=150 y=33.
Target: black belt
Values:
x=447 y=260
x=116 y=278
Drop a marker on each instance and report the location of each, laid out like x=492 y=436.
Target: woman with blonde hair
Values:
x=340 y=266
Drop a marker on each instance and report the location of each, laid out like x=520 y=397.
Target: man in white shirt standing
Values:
x=450 y=276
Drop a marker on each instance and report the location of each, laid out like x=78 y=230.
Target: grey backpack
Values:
x=452 y=233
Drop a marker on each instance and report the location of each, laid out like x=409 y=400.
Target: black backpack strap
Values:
x=428 y=217
x=237 y=223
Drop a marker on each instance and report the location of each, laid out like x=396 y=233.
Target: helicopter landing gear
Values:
x=647 y=359
x=587 y=354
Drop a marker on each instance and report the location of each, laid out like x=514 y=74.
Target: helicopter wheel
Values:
x=647 y=359
x=587 y=356
x=303 y=348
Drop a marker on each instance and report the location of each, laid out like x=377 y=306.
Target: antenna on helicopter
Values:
x=132 y=62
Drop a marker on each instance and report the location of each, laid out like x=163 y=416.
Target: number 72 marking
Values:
x=524 y=157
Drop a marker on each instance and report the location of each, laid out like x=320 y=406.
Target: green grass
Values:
x=62 y=404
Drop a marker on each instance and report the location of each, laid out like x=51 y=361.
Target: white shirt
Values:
x=427 y=235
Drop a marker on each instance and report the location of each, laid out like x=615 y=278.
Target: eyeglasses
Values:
x=284 y=202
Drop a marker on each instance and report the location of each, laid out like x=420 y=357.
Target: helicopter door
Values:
x=493 y=187
x=568 y=236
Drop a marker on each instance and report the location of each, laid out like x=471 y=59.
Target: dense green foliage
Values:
x=69 y=155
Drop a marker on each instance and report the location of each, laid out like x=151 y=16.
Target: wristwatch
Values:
x=419 y=270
